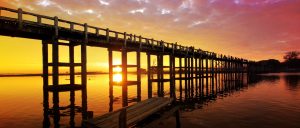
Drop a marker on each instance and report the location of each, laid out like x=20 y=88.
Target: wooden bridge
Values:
x=192 y=64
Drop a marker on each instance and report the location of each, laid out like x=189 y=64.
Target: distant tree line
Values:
x=291 y=63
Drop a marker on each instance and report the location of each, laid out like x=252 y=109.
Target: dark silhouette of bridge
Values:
x=194 y=67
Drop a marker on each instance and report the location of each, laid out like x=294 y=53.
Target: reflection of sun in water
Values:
x=117 y=69
x=117 y=77
x=117 y=74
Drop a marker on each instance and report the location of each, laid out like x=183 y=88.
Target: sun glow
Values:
x=117 y=74
x=117 y=69
x=117 y=77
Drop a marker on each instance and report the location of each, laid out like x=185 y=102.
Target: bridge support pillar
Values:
x=110 y=70
x=138 y=69
x=192 y=76
x=188 y=77
x=172 y=76
x=149 y=75
x=180 y=78
x=160 y=75
x=196 y=76
x=185 y=76
x=124 y=77
x=212 y=74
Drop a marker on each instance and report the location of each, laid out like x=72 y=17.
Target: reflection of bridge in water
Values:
x=195 y=72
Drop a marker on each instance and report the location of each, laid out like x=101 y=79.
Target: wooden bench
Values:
x=131 y=115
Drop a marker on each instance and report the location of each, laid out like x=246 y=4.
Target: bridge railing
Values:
x=109 y=34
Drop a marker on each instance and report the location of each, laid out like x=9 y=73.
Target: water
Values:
x=271 y=100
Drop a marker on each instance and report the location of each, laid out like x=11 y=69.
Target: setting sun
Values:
x=117 y=77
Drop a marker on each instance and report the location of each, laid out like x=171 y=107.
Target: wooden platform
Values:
x=134 y=114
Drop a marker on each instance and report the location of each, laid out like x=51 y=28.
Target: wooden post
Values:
x=84 y=72
x=189 y=76
x=202 y=76
x=56 y=112
x=174 y=76
x=56 y=26
x=45 y=65
x=171 y=74
x=138 y=59
x=107 y=35
x=84 y=103
x=20 y=18
x=124 y=72
x=72 y=108
x=192 y=76
x=39 y=19
x=55 y=71
x=180 y=78
x=212 y=73
x=55 y=59
x=149 y=75
x=185 y=76
x=83 y=57
x=110 y=70
x=206 y=76
x=160 y=75
x=196 y=75
x=110 y=66
x=158 y=70
x=71 y=61
x=46 y=121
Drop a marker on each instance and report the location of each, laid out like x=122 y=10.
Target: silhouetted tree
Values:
x=270 y=65
x=292 y=60
x=291 y=55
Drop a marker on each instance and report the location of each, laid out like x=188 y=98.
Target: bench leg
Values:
x=177 y=119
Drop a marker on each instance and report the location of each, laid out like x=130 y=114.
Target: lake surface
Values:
x=271 y=100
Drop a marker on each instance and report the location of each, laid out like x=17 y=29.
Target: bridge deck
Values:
x=110 y=39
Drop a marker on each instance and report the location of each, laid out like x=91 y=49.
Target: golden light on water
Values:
x=117 y=69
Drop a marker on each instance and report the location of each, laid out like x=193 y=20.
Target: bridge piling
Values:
x=149 y=75
x=180 y=78
x=138 y=69
x=124 y=72
x=196 y=76
x=110 y=70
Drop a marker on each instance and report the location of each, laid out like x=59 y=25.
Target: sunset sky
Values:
x=251 y=29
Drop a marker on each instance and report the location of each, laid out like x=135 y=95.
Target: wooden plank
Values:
x=139 y=113
x=146 y=113
x=114 y=114
x=132 y=113
x=135 y=113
